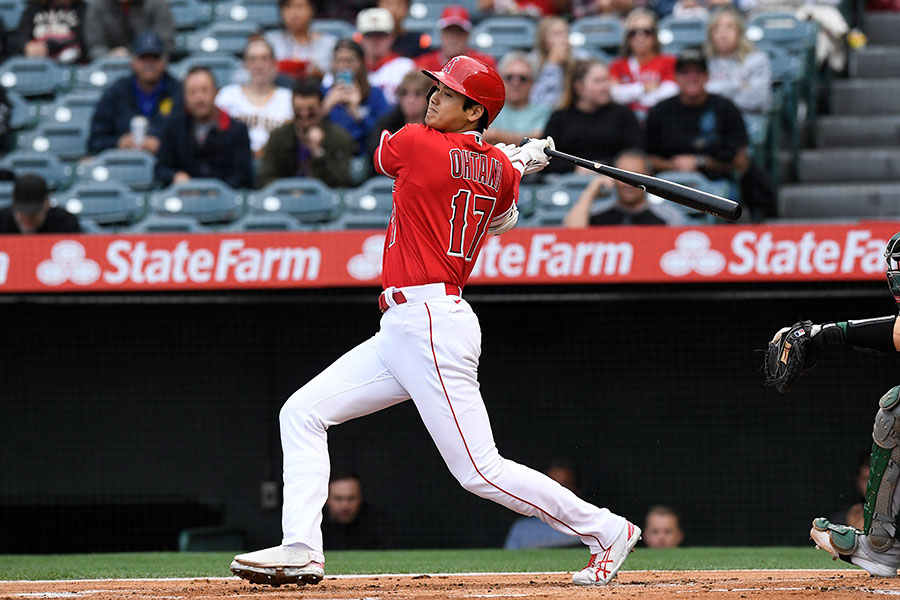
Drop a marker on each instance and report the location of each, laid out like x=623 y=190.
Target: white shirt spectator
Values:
x=389 y=74
x=317 y=52
x=260 y=119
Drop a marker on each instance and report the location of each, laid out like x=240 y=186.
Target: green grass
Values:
x=215 y=564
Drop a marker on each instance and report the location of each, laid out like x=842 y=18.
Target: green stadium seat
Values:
x=264 y=13
x=275 y=221
x=681 y=33
x=222 y=66
x=74 y=107
x=598 y=32
x=46 y=164
x=133 y=168
x=167 y=224
x=67 y=140
x=498 y=35
x=105 y=203
x=102 y=73
x=221 y=37
x=33 y=77
x=190 y=14
x=24 y=113
x=206 y=200
x=308 y=200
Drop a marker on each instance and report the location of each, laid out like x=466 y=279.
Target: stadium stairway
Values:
x=853 y=169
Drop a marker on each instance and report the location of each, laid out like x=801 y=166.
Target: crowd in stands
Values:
x=306 y=103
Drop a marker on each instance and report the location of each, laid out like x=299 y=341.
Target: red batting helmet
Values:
x=473 y=79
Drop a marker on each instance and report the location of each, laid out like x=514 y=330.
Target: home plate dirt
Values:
x=648 y=585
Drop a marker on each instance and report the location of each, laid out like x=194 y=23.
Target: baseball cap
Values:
x=455 y=15
x=148 y=42
x=691 y=56
x=374 y=20
x=29 y=194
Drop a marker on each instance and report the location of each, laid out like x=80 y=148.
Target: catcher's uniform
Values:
x=448 y=189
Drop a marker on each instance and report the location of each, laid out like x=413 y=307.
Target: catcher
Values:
x=791 y=353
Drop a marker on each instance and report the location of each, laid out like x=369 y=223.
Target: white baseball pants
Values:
x=427 y=349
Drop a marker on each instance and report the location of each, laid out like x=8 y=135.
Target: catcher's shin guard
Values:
x=881 y=509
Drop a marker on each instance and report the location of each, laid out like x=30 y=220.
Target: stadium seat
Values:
x=167 y=224
x=6 y=188
x=555 y=199
x=206 y=200
x=190 y=14
x=676 y=34
x=431 y=9
x=275 y=221
x=597 y=33
x=527 y=200
x=106 y=203
x=229 y=37
x=374 y=196
x=90 y=226
x=74 y=107
x=499 y=35
x=133 y=168
x=24 y=113
x=780 y=29
x=11 y=13
x=32 y=77
x=264 y=13
x=101 y=73
x=222 y=66
x=46 y=164
x=336 y=27
x=308 y=200
x=66 y=140
x=347 y=221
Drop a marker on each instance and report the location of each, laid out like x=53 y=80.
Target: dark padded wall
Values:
x=123 y=423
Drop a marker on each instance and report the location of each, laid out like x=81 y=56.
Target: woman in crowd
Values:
x=52 y=29
x=349 y=99
x=736 y=69
x=259 y=104
x=300 y=52
x=642 y=76
x=554 y=59
x=412 y=102
x=589 y=123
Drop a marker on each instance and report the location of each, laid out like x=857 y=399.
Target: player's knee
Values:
x=886 y=431
x=296 y=412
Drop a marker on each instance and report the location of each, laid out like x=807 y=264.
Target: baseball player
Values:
x=450 y=190
x=793 y=351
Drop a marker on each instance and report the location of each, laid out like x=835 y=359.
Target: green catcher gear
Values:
x=880 y=512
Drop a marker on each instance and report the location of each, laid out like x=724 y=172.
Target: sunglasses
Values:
x=517 y=78
x=633 y=32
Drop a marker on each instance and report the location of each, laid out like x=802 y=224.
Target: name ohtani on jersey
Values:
x=477 y=167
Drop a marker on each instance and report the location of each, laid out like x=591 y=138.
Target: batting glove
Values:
x=528 y=158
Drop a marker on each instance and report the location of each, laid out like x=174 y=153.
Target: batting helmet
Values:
x=892 y=257
x=473 y=79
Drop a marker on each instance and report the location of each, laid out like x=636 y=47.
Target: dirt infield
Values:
x=648 y=585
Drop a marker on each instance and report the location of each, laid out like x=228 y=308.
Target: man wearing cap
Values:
x=386 y=67
x=455 y=26
x=703 y=132
x=111 y=26
x=149 y=92
x=31 y=211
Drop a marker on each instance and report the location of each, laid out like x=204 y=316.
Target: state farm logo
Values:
x=692 y=253
x=68 y=263
x=367 y=265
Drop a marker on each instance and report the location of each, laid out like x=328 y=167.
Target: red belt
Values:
x=399 y=298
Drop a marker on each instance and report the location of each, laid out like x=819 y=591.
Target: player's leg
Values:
x=876 y=548
x=436 y=360
x=357 y=384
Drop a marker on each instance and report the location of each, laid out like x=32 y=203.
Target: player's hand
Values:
x=529 y=157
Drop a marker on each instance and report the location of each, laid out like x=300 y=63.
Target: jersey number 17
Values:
x=468 y=209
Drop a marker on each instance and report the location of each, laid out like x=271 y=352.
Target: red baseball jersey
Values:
x=447 y=188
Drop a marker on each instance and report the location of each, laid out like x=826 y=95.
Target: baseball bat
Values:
x=686 y=196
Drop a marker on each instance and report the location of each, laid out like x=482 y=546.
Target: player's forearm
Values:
x=881 y=334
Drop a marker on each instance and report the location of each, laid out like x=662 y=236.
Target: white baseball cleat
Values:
x=280 y=565
x=602 y=568
x=851 y=545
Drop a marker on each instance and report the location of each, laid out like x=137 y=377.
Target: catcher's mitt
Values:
x=790 y=354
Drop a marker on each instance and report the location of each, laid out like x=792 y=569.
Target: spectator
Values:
x=406 y=43
x=736 y=70
x=698 y=131
x=299 y=51
x=455 y=27
x=310 y=145
x=349 y=521
x=344 y=10
x=31 y=212
x=149 y=93
x=628 y=206
x=590 y=124
x=531 y=532
x=259 y=104
x=519 y=116
x=349 y=99
x=386 y=67
x=853 y=515
x=533 y=8
x=613 y=8
x=642 y=76
x=690 y=9
x=662 y=528
x=203 y=141
x=555 y=60
x=112 y=26
x=52 y=29
x=412 y=102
